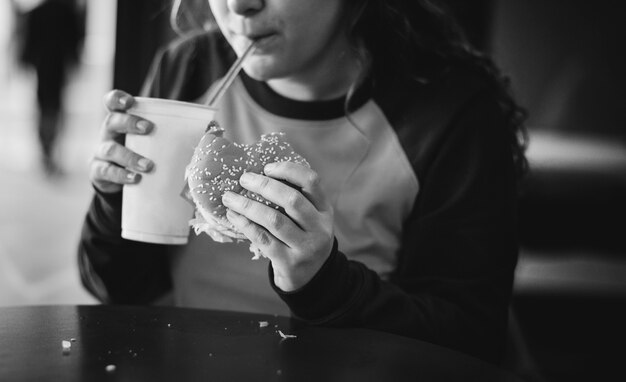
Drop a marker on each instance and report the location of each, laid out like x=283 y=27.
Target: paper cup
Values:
x=153 y=210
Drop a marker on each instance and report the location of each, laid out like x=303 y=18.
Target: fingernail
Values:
x=269 y=167
x=143 y=126
x=227 y=197
x=123 y=101
x=131 y=176
x=246 y=178
x=144 y=163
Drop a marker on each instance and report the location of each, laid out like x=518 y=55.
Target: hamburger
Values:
x=216 y=166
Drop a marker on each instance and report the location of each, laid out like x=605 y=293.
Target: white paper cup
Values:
x=153 y=210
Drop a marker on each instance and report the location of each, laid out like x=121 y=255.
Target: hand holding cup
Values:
x=113 y=164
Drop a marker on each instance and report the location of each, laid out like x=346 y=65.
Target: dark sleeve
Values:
x=455 y=268
x=116 y=270
x=113 y=269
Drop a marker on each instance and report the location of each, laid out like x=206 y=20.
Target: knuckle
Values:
x=313 y=179
x=264 y=182
x=293 y=200
x=115 y=120
x=276 y=220
x=94 y=171
x=246 y=203
x=108 y=149
x=117 y=100
x=106 y=171
x=109 y=172
x=98 y=171
x=111 y=123
x=122 y=123
x=262 y=237
x=107 y=124
x=246 y=224
x=109 y=98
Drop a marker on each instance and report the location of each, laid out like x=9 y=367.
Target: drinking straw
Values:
x=229 y=77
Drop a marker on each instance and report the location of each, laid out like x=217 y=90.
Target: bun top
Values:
x=217 y=165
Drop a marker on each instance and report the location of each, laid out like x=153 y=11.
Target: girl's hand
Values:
x=113 y=165
x=297 y=242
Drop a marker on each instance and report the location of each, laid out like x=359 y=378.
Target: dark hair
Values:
x=420 y=39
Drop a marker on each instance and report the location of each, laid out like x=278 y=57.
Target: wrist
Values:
x=291 y=277
x=284 y=283
x=292 y=280
x=334 y=285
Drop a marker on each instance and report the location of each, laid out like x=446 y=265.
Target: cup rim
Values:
x=168 y=107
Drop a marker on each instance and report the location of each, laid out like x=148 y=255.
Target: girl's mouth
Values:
x=263 y=41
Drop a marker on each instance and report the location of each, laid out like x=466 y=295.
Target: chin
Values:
x=261 y=70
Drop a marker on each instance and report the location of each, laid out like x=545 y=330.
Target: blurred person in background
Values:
x=50 y=42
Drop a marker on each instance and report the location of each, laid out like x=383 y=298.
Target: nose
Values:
x=245 y=7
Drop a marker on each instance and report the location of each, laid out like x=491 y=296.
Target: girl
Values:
x=405 y=221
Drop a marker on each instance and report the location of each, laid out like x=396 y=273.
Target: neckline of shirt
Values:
x=285 y=107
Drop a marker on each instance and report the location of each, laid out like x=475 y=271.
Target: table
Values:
x=146 y=343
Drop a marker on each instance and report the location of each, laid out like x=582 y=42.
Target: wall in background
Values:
x=566 y=61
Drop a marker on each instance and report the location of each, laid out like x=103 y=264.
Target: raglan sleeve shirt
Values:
x=454 y=275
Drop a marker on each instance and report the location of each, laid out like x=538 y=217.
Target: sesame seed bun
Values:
x=216 y=166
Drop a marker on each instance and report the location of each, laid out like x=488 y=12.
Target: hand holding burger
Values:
x=297 y=242
x=267 y=194
x=215 y=168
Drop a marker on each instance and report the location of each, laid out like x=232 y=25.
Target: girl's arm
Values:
x=116 y=270
x=454 y=277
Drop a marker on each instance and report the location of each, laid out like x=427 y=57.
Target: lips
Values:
x=262 y=39
x=258 y=35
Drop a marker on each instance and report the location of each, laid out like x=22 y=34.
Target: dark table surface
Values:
x=127 y=343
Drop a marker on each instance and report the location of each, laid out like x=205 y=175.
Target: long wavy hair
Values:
x=416 y=39
x=420 y=40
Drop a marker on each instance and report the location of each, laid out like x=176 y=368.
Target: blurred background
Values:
x=566 y=67
x=41 y=212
